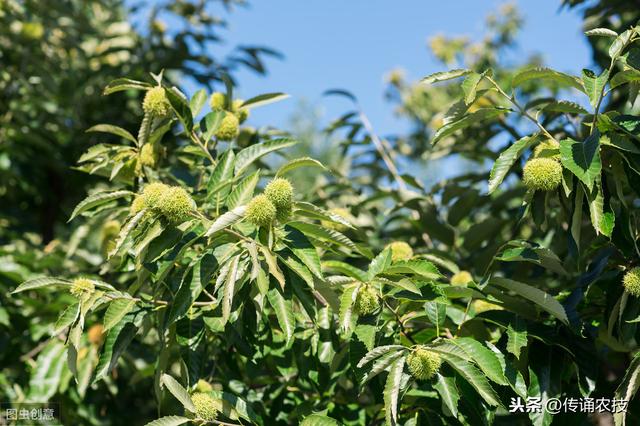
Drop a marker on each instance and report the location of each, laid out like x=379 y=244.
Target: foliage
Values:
x=56 y=61
x=234 y=293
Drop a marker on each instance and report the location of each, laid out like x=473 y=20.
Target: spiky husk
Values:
x=207 y=407
x=631 y=281
x=229 y=128
x=152 y=193
x=137 y=205
x=366 y=301
x=156 y=103
x=461 y=278
x=423 y=364
x=241 y=113
x=148 y=156
x=218 y=101
x=82 y=287
x=542 y=174
x=175 y=204
x=400 y=251
x=280 y=192
x=261 y=211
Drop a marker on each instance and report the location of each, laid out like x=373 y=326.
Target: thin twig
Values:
x=522 y=111
x=403 y=330
x=194 y=137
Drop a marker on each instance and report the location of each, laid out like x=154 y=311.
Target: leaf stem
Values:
x=521 y=109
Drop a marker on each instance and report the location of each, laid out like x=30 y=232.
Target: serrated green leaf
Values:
x=392 y=391
x=378 y=352
x=421 y=267
x=47 y=374
x=243 y=191
x=346 y=269
x=198 y=277
x=594 y=85
x=565 y=107
x=126 y=230
x=323 y=234
x=180 y=106
x=535 y=295
x=197 y=102
x=264 y=99
x=299 y=162
x=506 y=159
x=241 y=409
x=603 y=222
x=226 y=220
x=303 y=250
x=546 y=73
x=169 y=421
x=114 y=130
x=272 y=263
x=283 y=311
x=472 y=375
x=445 y=75
x=221 y=177
x=249 y=155
x=178 y=391
x=483 y=357
x=41 y=282
x=523 y=251
x=601 y=32
x=120 y=84
x=465 y=121
x=229 y=288
x=97 y=199
x=319 y=420
x=345 y=316
x=619 y=44
x=516 y=336
x=437 y=314
x=446 y=387
x=310 y=210
x=117 y=340
x=66 y=318
x=470 y=87
x=116 y=311
x=379 y=264
x=582 y=158
x=381 y=364
x=366 y=333
x=627 y=388
x=624 y=77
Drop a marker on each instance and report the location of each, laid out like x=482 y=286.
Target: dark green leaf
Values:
x=582 y=158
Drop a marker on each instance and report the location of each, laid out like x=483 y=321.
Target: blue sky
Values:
x=353 y=44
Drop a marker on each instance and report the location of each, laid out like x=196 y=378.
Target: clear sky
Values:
x=352 y=44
